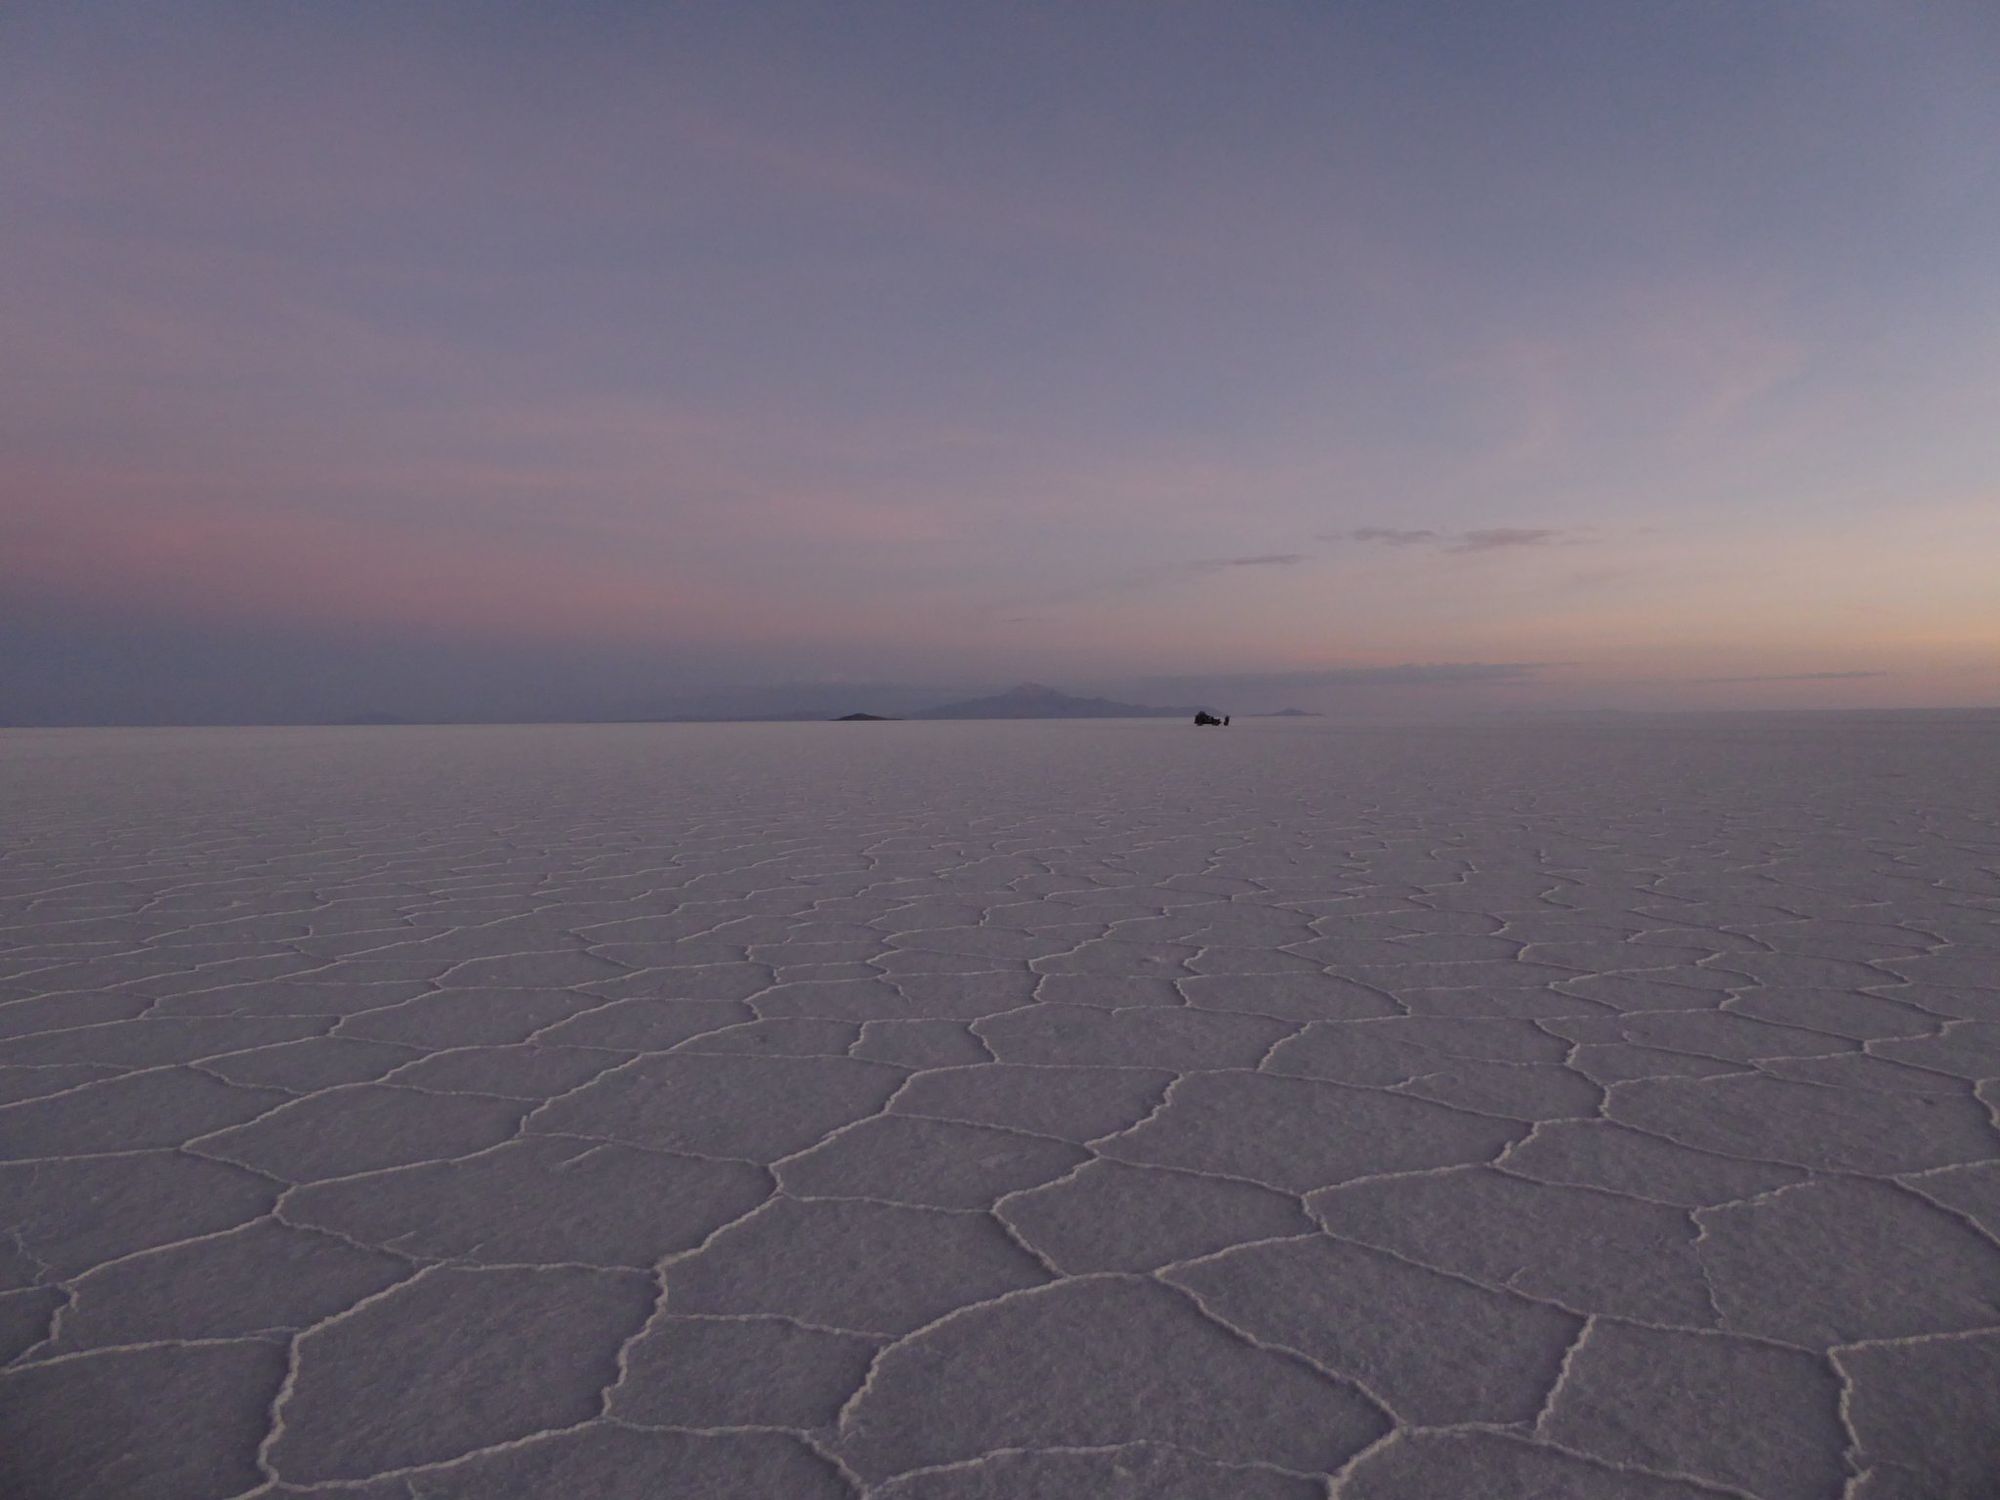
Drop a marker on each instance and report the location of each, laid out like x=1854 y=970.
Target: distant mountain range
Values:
x=1287 y=713
x=1033 y=700
x=811 y=702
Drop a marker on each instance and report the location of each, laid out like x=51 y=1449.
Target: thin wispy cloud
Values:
x=1478 y=539
x=1493 y=538
x=1145 y=580
x=1388 y=536
x=1268 y=560
x=1792 y=677
x=1401 y=674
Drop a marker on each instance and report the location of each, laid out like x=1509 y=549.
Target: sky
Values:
x=1373 y=356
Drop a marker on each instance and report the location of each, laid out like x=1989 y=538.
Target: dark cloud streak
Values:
x=1493 y=538
x=1388 y=536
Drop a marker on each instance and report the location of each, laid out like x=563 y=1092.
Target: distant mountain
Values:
x=865 y=719
x=1287 y=713
x=775 y=702
x=1032 y=700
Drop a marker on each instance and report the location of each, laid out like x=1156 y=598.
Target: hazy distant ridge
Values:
x=1032 y=700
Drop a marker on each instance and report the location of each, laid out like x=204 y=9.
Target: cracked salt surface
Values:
x=941 y=1111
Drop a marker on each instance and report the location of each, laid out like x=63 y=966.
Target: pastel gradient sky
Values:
x=525 y=360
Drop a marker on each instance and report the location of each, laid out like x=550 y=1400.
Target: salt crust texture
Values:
x=936 y=1111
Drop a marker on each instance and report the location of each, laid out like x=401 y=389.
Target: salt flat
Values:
x=935 y=1111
